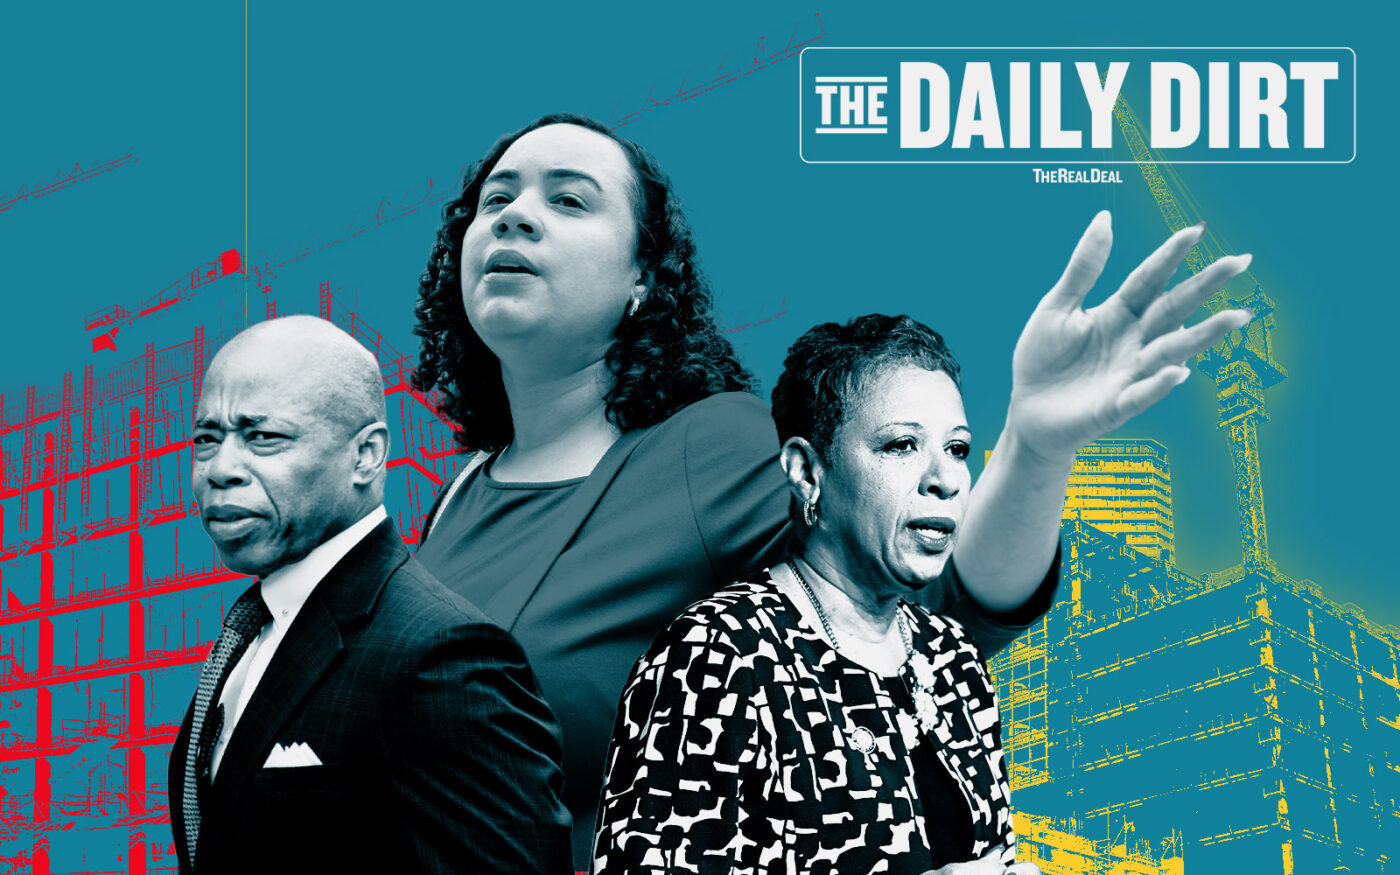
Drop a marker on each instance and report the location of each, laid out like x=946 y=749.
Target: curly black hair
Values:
x=829 y=365
x=669 y=354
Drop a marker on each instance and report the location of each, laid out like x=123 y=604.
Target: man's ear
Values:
x=371 y=453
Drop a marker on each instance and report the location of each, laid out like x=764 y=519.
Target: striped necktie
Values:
x=243 y=623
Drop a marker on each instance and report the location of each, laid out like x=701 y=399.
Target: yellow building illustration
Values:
x=1124 y=487
x=1242 y=720
x=1060 y=849
x=1239 y=721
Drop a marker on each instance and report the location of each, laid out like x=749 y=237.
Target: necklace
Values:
x=826 y=624
x=925 y=709
x=812 y=597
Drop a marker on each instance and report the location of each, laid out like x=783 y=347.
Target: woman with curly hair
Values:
x=622 y=469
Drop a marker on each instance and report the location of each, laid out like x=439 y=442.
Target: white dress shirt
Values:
x=284 y=591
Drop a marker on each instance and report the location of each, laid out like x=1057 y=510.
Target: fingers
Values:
x=1180 y=345
x=1146 y=392
x=1148 y=279
x=1176 y=306
x=1085 y=265
x=1162 y=360
x=987 y=864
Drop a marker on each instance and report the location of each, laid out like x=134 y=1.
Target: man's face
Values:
x=272 y=471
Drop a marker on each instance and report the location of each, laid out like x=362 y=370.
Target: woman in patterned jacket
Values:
x=810 y=718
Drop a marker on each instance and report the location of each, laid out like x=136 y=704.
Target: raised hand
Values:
x=1078 y=374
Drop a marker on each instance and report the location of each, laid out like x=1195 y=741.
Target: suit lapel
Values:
x=506 y=604
x=309 y=648
x=176 y=783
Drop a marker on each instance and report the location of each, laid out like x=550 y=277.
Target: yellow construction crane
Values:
x=1242 y=365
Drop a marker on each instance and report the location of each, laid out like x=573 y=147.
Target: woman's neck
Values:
x=560 y=423
x=855 y=610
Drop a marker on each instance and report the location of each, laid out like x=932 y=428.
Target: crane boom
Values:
x=1241 y=364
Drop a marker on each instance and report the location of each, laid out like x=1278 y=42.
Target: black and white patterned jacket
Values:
x=737 y=747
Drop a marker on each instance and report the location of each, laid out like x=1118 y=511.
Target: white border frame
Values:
x=1051 y=162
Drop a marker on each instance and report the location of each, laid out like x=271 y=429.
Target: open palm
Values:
x=1079 y=374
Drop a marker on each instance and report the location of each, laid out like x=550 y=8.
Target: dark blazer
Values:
x=438 y=753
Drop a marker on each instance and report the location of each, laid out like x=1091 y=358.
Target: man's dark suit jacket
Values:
x=437 y=752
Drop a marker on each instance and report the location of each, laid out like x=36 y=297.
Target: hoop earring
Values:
x=809 y=513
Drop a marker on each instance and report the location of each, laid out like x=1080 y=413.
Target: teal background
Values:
x=267 y=129
x=284 y=131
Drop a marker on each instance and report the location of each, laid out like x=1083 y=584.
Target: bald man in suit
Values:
x=354 y=714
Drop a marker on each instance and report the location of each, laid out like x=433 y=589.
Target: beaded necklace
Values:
x=925 y=709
